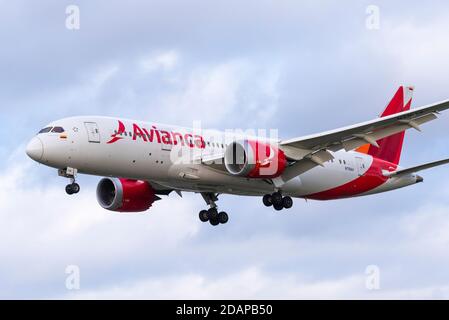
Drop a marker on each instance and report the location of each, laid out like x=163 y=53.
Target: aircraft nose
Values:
x=35 y=149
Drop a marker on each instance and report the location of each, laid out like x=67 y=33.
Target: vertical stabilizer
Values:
x=390 y=147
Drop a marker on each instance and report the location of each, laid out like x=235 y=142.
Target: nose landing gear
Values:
x=277 y=201
x=72 y=187
x=212 y=215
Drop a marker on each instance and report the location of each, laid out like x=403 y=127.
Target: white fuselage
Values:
x=94 y=145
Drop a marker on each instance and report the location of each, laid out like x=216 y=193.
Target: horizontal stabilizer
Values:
x=420 y=167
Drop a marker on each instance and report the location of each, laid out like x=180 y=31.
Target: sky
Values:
x=298 y=66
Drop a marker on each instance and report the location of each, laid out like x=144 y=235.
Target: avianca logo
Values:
x=116 y=136
x=160 y=136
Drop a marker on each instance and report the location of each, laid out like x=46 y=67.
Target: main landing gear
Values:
x=277 y=201
x=212 y=215
x=72 y=187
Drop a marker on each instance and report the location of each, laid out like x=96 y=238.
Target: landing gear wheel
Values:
x=75 y=187
x=287 y=202
x=276 y=199
x=72 y=188
x=204 y=216
x=267 y=200
x=212 y=214
x=223 y=217
x=68 y=189
x=214 y=221
x=278 y=207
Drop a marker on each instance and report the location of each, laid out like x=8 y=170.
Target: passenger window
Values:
x=57 y=130
x=45 y=130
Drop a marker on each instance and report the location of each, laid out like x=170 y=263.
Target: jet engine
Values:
x=254 y=159
x=125 y=195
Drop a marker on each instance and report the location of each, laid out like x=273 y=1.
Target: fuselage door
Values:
x=93 y=133
x=360 y=166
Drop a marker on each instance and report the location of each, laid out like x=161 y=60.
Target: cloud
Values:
x=38 y=243
x=160 y=88
x=415 y=49
x=165 y=61
x=250 y=283
x=428 y=228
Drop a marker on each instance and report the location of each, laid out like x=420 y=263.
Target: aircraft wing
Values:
x=312 y=150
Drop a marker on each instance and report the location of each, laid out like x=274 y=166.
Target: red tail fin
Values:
x=390 y=147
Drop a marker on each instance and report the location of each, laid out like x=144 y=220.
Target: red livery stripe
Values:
x=371 y=179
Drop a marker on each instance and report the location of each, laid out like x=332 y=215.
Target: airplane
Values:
x=141 y=161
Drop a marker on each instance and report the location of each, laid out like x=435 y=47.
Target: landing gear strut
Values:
x=277 y=201
x=212 y=215
x=72 y=187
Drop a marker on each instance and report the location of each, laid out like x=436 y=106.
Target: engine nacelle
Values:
x=125 y=195
x=254 y=159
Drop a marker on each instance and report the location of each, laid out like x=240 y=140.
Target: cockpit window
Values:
x=45 y=130
x=58 y=130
